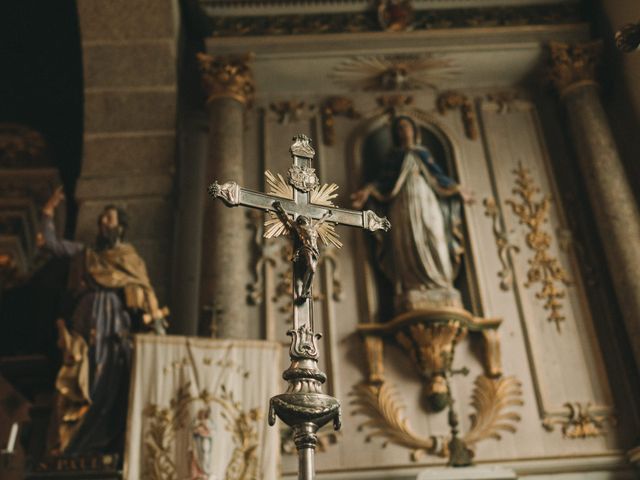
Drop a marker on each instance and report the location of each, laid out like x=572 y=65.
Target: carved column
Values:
x=573 y=74
x=228 y=83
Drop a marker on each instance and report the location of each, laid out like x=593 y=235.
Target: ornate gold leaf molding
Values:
x=227 y=77
x=502 y=242
x=572 y=66
x=544 y=268
x=452 y=100
x=582 y=421
x=395 y=15
x=428 y=19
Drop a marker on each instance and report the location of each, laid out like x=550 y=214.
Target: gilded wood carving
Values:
x=502 y=242
x=452 y=100
x=582 y=421
x=493 y=401
x=544 y=268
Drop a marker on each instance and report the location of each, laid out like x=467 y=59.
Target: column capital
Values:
x=225 y=76
x=573 y=65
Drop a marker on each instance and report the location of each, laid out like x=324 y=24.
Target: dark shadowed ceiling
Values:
x=41 y=80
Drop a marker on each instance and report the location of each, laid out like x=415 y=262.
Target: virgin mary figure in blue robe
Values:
x=421 y=254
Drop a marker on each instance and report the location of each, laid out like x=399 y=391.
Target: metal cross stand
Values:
x=302 y=208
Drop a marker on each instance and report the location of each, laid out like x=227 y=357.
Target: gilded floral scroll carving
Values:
x=502 y=242
x=581 y=421
x=544 y=268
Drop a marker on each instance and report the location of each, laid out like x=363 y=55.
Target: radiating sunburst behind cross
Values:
x=322 y=195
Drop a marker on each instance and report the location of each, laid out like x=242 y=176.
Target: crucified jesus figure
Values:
x=305 y=258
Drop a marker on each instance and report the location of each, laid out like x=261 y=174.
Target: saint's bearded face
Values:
x=109 y=229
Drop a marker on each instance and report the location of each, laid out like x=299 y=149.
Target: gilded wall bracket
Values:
x=453 y=100
x=429 y=338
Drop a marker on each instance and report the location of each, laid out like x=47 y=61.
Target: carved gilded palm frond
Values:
x=386 y=418
x=491 y=400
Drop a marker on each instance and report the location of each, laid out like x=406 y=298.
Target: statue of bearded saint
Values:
x=110 y=294
x=421 y=255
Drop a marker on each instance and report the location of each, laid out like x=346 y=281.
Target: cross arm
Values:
x=233 y=195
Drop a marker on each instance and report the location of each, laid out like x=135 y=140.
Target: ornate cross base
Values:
x=304 y=407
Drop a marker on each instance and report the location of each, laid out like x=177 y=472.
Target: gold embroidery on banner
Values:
x=165 y=422
x=543 y=267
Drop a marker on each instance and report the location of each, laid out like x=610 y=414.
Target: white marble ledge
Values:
x=468 y=473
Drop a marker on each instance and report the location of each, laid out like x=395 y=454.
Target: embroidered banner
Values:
x=197 y=410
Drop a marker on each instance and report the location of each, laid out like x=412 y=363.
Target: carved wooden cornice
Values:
x=368 y=21
x=227 y=77
x=22 y=147
x=574 y=65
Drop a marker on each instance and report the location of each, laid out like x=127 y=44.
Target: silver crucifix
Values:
x=303 y=208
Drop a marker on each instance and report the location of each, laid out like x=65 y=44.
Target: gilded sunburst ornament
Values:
x=397 y=72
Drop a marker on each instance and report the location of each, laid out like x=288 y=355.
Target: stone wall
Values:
x=130 y=100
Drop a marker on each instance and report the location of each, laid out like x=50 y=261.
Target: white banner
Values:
x=197 y=410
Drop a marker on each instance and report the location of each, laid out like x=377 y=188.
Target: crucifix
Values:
x=304 y=209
